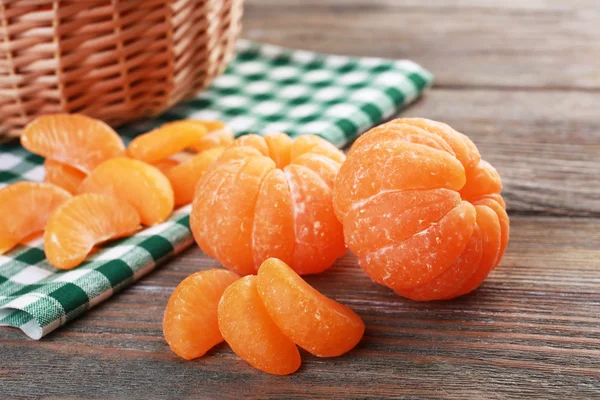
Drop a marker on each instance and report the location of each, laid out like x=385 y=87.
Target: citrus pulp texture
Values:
x=84 y=221
x=251 y=333
x=140 y=184
x=72 y=139
x=190 y=322
x=316 y=323
x=270 y=197
x=421 y=210
x=26 y=208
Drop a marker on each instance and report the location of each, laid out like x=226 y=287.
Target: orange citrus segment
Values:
x=63 y=175
x=319 y=235
x=166 y=165
x=273 y=232
x=279 y=148
x=425 y=255
x=165 y=141
x=218 y=135
x=481 y=180
x=73 y=139
x=186 y=175
x=140 y=184
x=84 y=221
x=255 y=141
x=322 y=165
x=316 y=145
x=313 y=321
x=190 y=322
x=248 y=329
x=26 y=208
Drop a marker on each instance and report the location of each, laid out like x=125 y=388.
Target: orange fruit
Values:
x=247 y=327
x=218 y=135
x=186 y=175
x=247 y=209
x=421 y=210
x=165 y=141
x=73 y=139
x=313 y=321
x=84 y=221
x=190 y=322
x=26 y=208
x=63 y=175
x=166 y=165
x=140 y=184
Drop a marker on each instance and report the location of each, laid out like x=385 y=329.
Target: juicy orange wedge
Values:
x=316 y=323
x=247 y=327
x=63 y=175
x=165 y=141
x=73 y=139
x=218 y=135
x=140 y=184
x=166 y=165
x=186 y=175
x=190 y=322
x=84 y=221
x=26 y=207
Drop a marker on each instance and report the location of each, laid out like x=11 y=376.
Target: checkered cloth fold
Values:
x=265 y=89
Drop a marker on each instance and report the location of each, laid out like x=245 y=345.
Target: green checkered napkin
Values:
x=265 y=89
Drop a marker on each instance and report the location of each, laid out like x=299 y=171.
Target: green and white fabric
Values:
x=266 y=89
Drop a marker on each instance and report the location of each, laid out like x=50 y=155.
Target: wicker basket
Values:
x=116 y=60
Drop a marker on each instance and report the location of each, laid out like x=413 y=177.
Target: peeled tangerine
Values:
x=140 y=184
x=190 y=322
x=26 y=207
x=421 y=210
x=270 y=197
x=84 y=221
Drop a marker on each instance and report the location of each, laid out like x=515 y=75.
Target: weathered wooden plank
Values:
x=541 y=43
x=532 y=330
x=546 y=145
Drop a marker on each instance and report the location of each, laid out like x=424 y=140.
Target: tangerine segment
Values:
x=255 y=141
x=489 y=223
x=186 y=175
x=481 y=180
x=190 y=323
x=465 y=150
x=26 y=208
x=319 y=235
x=398 y=165
x=444 y=286
x=140 y=184
x=63 y=175
x=223 y=213
x=166 y=165
x=249 y=330
x=323 y=166
x=398 y=215
x=424 y=256
x=315 y=145
x=313 y=321
x=84 y=221
x=280 y=146
x=273 y=232
x=73 y=139
x=218 y=135
x=165 y=141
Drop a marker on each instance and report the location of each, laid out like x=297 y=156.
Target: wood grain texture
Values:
x=516 y=43
x=532 y=329
x=519 y=77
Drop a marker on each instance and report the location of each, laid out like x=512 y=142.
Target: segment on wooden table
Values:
x=543 y=44
x=531 y=329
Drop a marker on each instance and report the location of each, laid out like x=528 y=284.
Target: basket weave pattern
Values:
x=116 y=60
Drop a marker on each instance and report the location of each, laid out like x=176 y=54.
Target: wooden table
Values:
x=522 y=79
